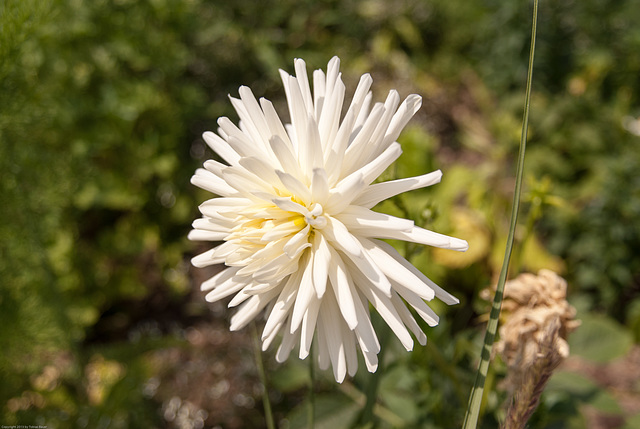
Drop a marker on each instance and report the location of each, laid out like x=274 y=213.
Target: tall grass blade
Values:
x=475 y=400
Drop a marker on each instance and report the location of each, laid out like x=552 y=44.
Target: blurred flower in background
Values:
x=294 y=212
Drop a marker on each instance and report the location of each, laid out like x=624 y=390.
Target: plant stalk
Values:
x=311 y=410
x=268 y=414
x=475 y=400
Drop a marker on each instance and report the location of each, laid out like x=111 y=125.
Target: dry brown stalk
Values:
x=536 y=321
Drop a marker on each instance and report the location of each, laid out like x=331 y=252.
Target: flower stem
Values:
x=268 y=415
x=367 y=417
x=311 y=410
x=475 y=400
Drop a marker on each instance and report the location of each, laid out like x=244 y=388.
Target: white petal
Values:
x=441 y=294
x=357 y=218
x=206 y=259
x=284 y=153
x=267 y=340
x=365 y=264
x=286 y=204
x=319 y=186
x=373 y=169
x=340 y=144
x=371 y=360
x=215 y=206
x=280 y=230
x=414 y=300
x=330 y=322
x=276 y=128
x=395 y=271
x=303 y=81
x=331 y=110
x=238 y=140
x=362 y=116
x=381 y=191
x=339 y=236
x=247 y=123
x=282 y=305
x=275 y=269
x=203 y=235
x=208 y=181
x=424 y=236
x=390 y=106
x=297 y=243
x=351 y=353
x=359 y=150
x=341 y=196
x=294 y=186
x=239 y=298
x=215 y=167
x=309 y=326
x=261 y=169
x=343 y=289
x=221 y=283
x=288 y=341
x=365 y=333
x=209 y=225
x=335 y=154
x=385 y=308
x=305 y=294
x=322 y=259
x=323 y=350
x=408 y=320
x=245 y=182
x=297 y=110
x=221 y=147
x=319 y=87
x=250 y=309
x=407 y=109
x=255 y=113
x=311 y=155
x=225 y=249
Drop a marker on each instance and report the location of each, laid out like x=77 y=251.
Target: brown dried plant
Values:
x=536 y=321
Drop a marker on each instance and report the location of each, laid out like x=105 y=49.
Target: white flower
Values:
x=294 y=214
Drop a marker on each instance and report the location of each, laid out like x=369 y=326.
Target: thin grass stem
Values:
x=475 y=400
x=268 y=414
x=311 y=409
x=368 y=417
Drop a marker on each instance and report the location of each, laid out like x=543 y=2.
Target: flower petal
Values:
x=357 y=219
x=221 y=147
x=440 y=293
x=322 y=259
x=381 y=191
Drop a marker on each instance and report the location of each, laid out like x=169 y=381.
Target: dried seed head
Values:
x=536 y=320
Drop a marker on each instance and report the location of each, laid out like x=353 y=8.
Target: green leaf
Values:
x=600 y=339
x=332 y=412
x=583 y=390
x=290 y=377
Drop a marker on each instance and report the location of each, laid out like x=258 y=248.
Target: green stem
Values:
x=268 y=415
x=475 y=400
x=311 y=410
x=371 y=391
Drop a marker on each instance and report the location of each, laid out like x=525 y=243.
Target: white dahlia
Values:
x=299 y=238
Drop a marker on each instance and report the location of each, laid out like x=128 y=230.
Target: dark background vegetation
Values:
x=102 y=104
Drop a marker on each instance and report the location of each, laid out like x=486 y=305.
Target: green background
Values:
x=102 y=104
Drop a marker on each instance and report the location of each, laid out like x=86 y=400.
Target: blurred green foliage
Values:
x=101 y=107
